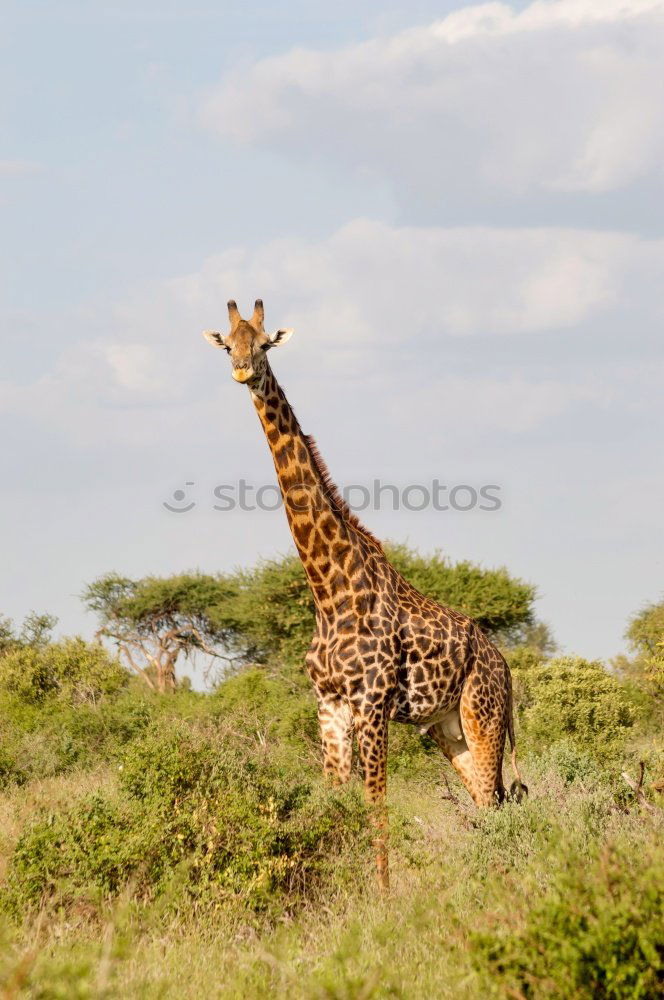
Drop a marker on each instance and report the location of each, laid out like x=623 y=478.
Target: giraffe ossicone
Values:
x=381 y=650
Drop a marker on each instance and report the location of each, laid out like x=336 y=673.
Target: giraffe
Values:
x=381 y=650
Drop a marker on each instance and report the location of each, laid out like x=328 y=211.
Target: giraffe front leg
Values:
x=336 y=729
x=371 y=729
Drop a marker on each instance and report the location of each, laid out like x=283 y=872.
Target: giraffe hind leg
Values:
x=484 y=725
x=457 y=752
x=473 y=744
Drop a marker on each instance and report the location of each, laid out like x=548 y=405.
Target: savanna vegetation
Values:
x=157 y=841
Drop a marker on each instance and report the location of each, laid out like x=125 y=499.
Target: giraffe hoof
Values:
x=518 y=791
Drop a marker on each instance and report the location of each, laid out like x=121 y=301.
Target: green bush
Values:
x=202 y=810
x=52 y=736
x=71 y=668
x=576 y=700
x=63 y=705
x=524 y=659
x=280 y=706
x=568 y=762
x=505 y=837
x=595 y=934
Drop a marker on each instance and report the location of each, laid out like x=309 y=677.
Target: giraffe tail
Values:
x=518 y=790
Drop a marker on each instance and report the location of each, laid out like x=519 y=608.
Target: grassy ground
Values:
x=462 y=883
x=187 y=847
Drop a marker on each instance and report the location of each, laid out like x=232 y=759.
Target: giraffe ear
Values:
x=278 y=338
x=214 y=338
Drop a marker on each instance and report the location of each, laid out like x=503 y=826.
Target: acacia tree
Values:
x=501 y=603
x=266 y=613
x=156 y=620
x=271 y=612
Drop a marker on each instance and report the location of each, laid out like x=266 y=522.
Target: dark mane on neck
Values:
x=329 y=487
x=333 y=496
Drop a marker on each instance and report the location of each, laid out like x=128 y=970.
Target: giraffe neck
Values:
x=328 y=538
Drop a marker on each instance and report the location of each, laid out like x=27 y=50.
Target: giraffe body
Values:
x=381 y=651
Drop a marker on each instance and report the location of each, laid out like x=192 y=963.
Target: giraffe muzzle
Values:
x=242 y=374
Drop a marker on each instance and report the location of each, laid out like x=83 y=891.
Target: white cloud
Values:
x=371 y=283
x=135 y=367
x=366 y=302
x=560 y=97
x=102 y=392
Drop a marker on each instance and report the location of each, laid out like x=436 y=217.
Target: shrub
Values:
x=567 y=761
x=62 y=706
x=505 y=837
x=524 y=659
x=576 y=700
x=54 y=737
x=598 y=936
x=279 y=706
x=200 y=810
x=411 y=754
x=71 y=668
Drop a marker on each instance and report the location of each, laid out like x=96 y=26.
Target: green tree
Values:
x=267 y=611
x=645 y=634
x=645 y=631
x=34 y=632
x=156 y=620
x=271 y=611
x=499 y=602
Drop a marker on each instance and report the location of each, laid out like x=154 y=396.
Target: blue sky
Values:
x=458 y=208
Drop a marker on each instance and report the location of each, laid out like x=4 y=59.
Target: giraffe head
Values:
x=247 y=343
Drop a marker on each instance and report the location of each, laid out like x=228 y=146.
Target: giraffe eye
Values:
x=227 y=349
